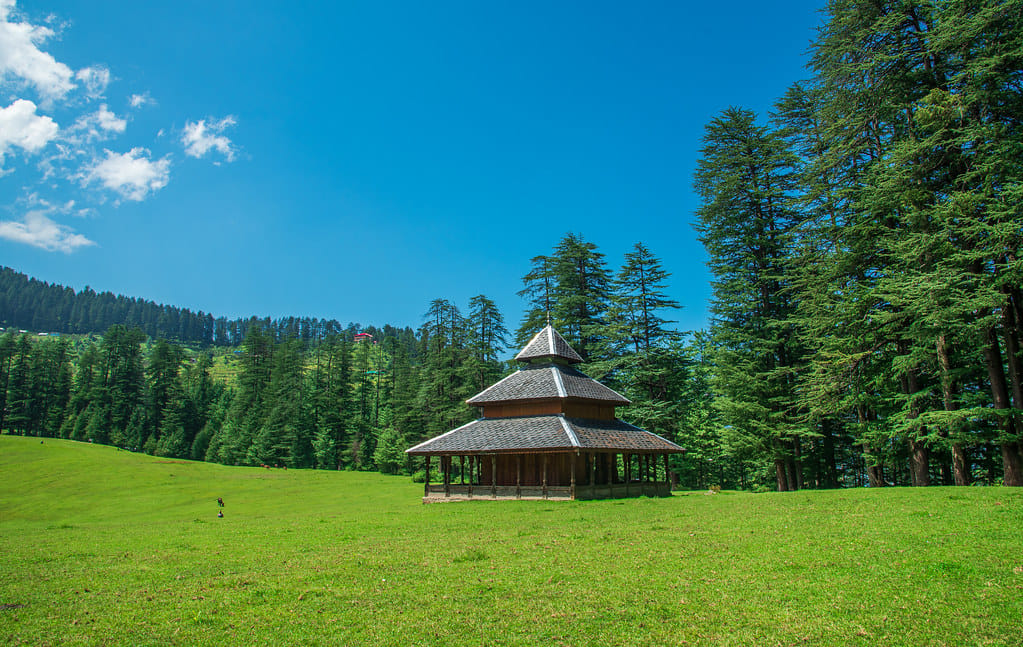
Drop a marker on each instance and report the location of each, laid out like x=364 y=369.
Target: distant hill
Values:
x=30 y=304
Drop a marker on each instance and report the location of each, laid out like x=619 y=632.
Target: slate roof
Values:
x=551 y=380
x=548 y=344
x=549 y=433
x=547 y=381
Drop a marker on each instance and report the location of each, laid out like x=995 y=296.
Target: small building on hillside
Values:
x=547 y=431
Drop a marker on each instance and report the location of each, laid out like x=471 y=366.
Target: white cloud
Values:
x=20 y=126
x=98 y=125
x=139 y=100
x=20 y=56
x=95 y=78
x=109 y=121
x=38 y=230
x=133 y=175
x=199 y=137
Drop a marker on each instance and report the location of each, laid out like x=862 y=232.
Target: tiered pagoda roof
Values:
x=559 y=409
x=546 y=382
x=550 y=433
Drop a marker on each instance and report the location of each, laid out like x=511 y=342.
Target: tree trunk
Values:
x=919 y=461
x=1012 y=464
x=830 y=468
x=779 y=469
x=796 y=468
x=949 y=391
x=1012 y=460
x=919 y=454
x=875 y=472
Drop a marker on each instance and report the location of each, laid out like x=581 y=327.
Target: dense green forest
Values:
x=29 y=304
x=866 y=318
x=865 y=250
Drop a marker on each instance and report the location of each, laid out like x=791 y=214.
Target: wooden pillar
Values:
x=472 y=472
x=667 y=476
x=627 y=459
x=518 y=476
x=426 y=485
x=544 y=487
x=493 y=475
x=461 y=469
x=445 y=462
x=593 y=475
x=611 y=469
x=573 y=460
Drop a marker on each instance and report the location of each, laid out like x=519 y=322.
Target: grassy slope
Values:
x=107 y=547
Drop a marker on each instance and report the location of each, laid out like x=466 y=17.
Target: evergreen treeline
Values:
x=865 y=251
x=352 y=401
x=31 y=304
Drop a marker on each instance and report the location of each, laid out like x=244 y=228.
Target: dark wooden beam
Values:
x=518 y=476
x=573 y=460
x=545 y=476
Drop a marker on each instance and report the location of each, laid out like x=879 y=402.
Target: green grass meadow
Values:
x=104 y=547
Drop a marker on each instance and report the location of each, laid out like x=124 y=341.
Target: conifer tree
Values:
x=331 y=401
x=486 y=336
x=572 y=286
x=7 y=352
x=746 y=224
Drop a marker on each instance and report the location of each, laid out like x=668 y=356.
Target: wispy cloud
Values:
x=98 y=125
x=132 y=175
x=200 y=137
x=139 y=100
x=95 y=79
x=38 y=230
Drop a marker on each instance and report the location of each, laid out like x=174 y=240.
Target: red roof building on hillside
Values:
x=547 y=431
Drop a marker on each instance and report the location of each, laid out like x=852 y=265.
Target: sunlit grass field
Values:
x=104 y=547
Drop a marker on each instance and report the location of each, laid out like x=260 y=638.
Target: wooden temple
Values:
x=547 y=431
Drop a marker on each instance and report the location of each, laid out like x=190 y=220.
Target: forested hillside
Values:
x=29 y=304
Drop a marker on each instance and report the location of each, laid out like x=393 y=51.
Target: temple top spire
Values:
x=549 y=345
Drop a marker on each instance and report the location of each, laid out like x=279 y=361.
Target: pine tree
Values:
x=19 y=387
x=123 y=385
x=8 y=347
x=285 y=436
x=486 y=337
x=746 y=224
x=443 y=389
x=331 y=401
x=571 y=290
x=164 y=388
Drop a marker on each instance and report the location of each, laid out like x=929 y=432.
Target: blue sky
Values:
x=357 y=160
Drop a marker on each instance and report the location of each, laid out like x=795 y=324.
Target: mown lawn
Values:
x=104 y=547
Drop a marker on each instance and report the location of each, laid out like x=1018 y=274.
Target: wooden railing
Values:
x=440 y=492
